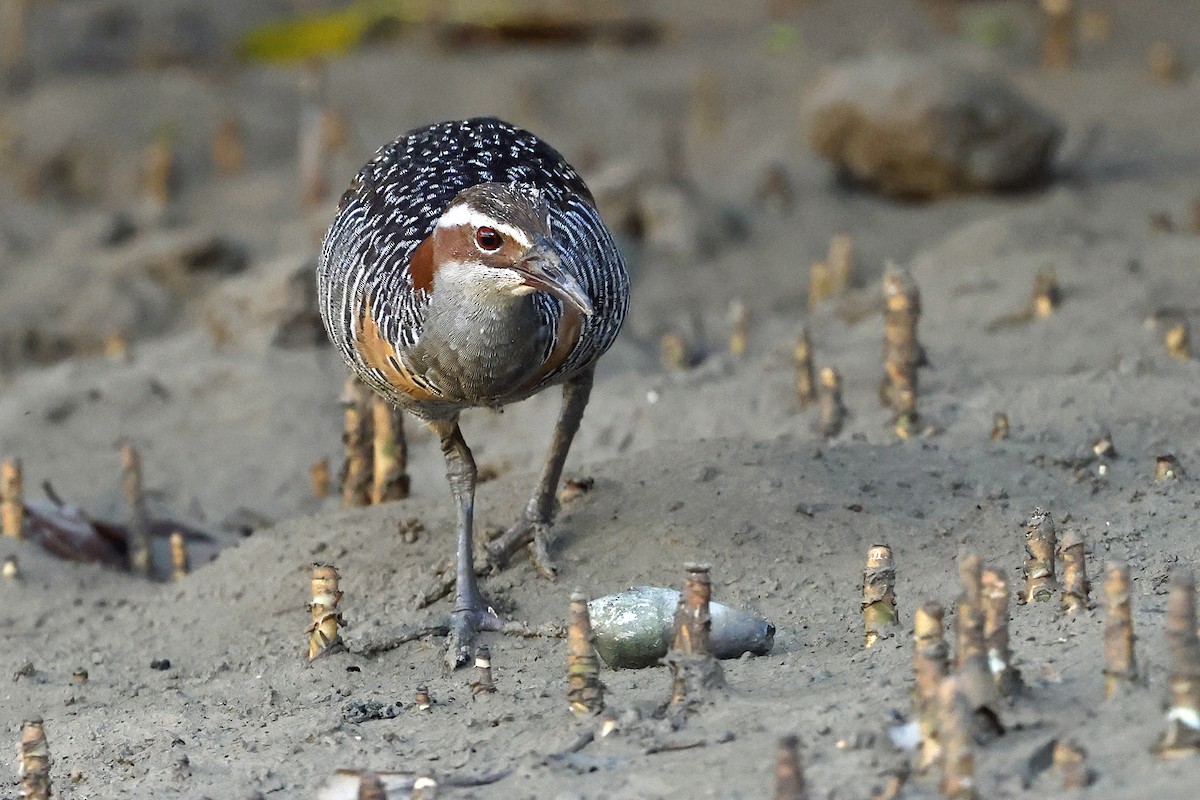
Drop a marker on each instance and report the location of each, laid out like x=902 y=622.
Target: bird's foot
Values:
x=465 y=623
x=534 y=534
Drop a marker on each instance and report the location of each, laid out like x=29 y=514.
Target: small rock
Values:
x=161 y=664
x=357 y=711
x=916 y=128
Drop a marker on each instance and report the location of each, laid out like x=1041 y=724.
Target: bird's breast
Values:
x=480 y=355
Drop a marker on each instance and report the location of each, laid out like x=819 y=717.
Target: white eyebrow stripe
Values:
x=465 y=215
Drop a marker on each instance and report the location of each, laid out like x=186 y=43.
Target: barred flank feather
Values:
x=393 y=204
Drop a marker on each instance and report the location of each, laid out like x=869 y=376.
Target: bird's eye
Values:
x=488 y=239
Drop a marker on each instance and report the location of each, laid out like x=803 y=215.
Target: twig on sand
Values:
x=806 y=381
x=12 y=500
x=346 y=784
x=833 y=411
x=1075 y=584
x=694 y=669
x=356 y=471
x=482 y=683
x=789 y=775
x=879 y=594
x=581 y=741
x=180 y=562
x=675 y=745
x=1120 y=663
x=1182 y=736
x=390 y=479
x=323 y=636
x=902 y=351
x=994 y=597
x=139 y=522
x=35 y=761
x=401 y=636
x=930 y=667
x=1040 y=545
x=585 y=692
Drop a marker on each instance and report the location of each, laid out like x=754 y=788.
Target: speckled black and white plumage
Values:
x=394 y=203
x=433 y=316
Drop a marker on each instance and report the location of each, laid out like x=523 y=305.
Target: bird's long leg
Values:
x=534 y=525
x=471 y=613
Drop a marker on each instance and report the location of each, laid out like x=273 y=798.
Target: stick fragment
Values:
x=1103 y=447
x=930 y=667
x=135 y=500
x=789 y=775
x=1040 y=544
x=902 y=352
x=390 y=478
x=319 y=477
x=160 y=179
x=1182 y=736
x=227 y=148
x=1075 y=584
x=1166 y=468
x=739 y=324
x=1177 y=340
x=994 y=596
x=323 y=636
x=879 y=594
x=693 y=622
x=673 y=350
x=35 y=761
x=1000 y=428
x=585 y=692
x=841 y=262
x=1058 y=36
x=1120 y=663
x=974 y=676
x=694 y=670
x=1071 y=762
x=958 y=756
x=116 y=347
x=1047 y=295
x=821 y=284
x=806 y=384
x=833 y=412
x=482 y=682
x=180 y=565
x=356 y=436
x=12 y=498
x=969 y=607
x=1164 y=63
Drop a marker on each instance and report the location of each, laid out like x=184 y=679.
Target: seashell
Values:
x=633 y=629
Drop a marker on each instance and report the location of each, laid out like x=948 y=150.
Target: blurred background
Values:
x=167 y=168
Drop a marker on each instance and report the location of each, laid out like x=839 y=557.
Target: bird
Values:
x=467 y=266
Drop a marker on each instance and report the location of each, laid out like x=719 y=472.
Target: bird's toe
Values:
x=465 y=625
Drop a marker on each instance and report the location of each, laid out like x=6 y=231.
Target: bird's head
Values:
x=497 y=236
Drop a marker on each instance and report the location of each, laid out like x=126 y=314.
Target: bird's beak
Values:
x=542 y=269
